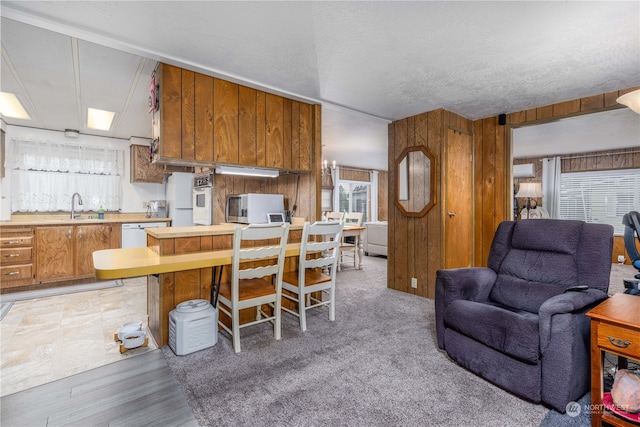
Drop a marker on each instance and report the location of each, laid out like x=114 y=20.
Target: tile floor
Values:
x=46 y=339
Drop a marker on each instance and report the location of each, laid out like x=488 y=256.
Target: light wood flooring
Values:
x=60 y=364
x=134 y=392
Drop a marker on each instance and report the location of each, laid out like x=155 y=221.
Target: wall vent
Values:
x=524 y=170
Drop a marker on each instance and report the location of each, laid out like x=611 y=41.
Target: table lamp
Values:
x=528 y=190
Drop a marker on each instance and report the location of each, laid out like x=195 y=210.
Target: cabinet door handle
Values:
x=80 y=234
x=14 y=242
x=11 y=255
x=11 y=273
x=451 y=214
x=69 y=234
x=618 y=342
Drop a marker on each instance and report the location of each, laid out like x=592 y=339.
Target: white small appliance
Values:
x=179 y=195
x=193 y=326
x=133 y=234
x=203 y=199
x=253 y=208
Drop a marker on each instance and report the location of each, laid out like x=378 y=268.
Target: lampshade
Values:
x=530 y=189
x=631 y=100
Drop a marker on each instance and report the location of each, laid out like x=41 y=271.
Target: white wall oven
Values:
x=203 y=199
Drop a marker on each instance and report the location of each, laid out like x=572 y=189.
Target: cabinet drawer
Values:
x=15 y=241
x=15 y=275
x=621 y=340
x=17 y=255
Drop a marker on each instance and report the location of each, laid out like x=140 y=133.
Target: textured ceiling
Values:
x=371 y=62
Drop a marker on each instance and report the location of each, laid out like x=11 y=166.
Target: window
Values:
x=354 y=196
x=45 y=174
x=600 y=197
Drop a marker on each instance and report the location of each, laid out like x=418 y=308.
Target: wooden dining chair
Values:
x=335 y=216
x=319 y=249
x=254 y=284
x=349 y=245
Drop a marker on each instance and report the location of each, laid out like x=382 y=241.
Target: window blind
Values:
x=600 y=196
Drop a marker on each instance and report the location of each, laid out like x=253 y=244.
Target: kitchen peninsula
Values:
x=179 y=263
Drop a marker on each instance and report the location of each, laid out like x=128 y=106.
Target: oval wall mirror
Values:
x=415 y=180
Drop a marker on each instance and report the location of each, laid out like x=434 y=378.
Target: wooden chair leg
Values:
x=302 y=312
x=277 y=324
x=235 y=329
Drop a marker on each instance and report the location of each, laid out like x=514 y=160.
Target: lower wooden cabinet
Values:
x=16 y=257
x=54 y=253
x=66 y=252
x=91 y=238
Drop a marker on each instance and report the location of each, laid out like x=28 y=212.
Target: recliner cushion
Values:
x=528 y=278
x=514 y=333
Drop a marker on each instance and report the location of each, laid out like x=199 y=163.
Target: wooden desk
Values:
x=615 y=328
x=357 y=233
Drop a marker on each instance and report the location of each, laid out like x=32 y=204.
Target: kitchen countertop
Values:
x=57 y=219
x=200 y=230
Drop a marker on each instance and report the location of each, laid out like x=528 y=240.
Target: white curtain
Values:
x=45 y=175
x=551 y=171
x=65 y=157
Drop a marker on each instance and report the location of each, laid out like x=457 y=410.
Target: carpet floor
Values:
x=377 y=365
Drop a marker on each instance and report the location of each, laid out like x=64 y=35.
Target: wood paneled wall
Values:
x=416 y=244
x=355 y=174
x=300 y=189
x=383 y=196
x=492 y=164
x=625 y=158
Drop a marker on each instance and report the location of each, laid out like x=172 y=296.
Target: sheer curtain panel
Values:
x=45 y=175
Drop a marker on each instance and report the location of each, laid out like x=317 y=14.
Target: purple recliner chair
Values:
x=519 y=323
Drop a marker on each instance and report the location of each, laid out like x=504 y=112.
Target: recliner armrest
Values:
x=568 y=302
x=473 y=284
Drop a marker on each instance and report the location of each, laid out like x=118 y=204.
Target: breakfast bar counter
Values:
x=179 y=263
x=134 y=262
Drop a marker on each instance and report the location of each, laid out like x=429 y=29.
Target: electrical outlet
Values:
x=414 y=282
x=145 y=205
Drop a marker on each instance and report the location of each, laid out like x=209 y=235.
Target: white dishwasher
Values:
x=133 y=234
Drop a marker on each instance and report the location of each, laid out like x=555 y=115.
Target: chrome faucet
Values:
x=73 y=214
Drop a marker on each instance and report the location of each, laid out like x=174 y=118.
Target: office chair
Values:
x=631 y=223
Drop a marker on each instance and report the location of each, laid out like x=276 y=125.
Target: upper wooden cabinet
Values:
x=142 y=170
x=202 y=120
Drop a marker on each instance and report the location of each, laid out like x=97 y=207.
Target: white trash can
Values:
x=193 y=326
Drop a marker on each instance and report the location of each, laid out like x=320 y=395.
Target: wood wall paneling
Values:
x=295 y=135
x=247 y=131
x=492 y=161
x=225 y=122
x=261 y=129
x=204 y=107
x=274 y=131
x=171 y=111
x=383 y=196
x=287 y=151
x=188 y=130
x=306 y=138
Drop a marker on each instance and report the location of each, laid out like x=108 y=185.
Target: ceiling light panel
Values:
x=99 y=119
x=10 y=106
x=42 y=60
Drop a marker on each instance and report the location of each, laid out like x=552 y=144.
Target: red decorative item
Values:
x=607 y=401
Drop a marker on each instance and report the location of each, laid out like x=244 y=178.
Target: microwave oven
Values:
x=253 y=208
